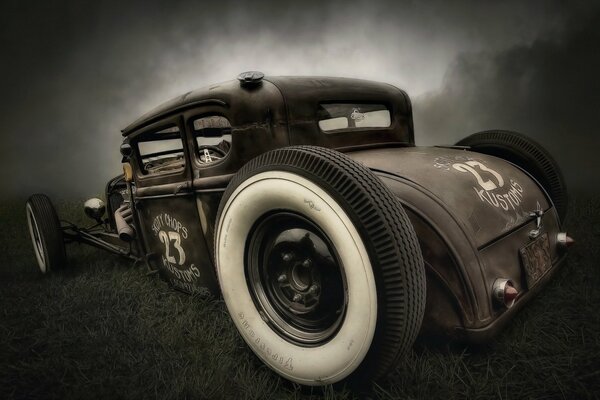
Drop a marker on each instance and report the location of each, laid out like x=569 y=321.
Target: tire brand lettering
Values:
x=312 y=205
x=284 y=361
x=226 y=233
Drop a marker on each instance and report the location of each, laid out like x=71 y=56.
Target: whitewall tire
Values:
x=322 y=283
x=46 y=233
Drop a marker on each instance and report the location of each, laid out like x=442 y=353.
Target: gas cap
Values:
x=250 y=78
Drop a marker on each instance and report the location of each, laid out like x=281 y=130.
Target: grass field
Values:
x=106 y=329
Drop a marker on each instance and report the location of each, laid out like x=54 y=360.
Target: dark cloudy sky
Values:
x=73 y=73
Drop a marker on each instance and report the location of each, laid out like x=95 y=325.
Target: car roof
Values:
x=298 y=93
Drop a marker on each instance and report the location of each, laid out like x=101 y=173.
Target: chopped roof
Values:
x=296 y=91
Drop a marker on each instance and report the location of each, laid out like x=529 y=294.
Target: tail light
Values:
x=504 y=292
x=564 y=240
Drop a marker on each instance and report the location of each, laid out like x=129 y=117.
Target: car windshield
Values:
x=334 y=117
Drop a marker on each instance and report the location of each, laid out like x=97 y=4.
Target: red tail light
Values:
x=510 y=294
x=564 y=240
x=504 y=292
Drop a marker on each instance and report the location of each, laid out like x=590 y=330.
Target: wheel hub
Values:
x=295 y=278
x=300 y=279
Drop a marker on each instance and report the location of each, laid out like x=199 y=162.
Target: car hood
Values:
x=487 y=195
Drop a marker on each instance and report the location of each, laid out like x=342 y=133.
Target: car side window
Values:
x=212 y=135
x=336 y=117
x=161 y=151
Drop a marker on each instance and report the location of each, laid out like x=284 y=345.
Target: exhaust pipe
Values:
x=123 y=219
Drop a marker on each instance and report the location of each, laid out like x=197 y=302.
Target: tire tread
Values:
x=387 y=232
x=50 y=231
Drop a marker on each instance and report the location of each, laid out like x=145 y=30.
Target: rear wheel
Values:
x=527 y=154
x=319 y=266
x=46 y=233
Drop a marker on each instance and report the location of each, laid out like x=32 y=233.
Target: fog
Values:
x=75 y=73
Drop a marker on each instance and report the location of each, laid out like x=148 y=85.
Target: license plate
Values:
x=536 y=259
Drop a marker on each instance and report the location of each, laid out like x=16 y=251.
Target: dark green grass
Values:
x=106 y=329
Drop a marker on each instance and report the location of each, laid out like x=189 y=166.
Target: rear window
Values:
x=345 y=116
x=161 y=151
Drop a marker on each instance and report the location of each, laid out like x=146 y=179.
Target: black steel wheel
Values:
x=46 y=233
x=319 y=266
x=295 y=278
x=527 y=154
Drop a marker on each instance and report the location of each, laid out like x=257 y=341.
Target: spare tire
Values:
x=319 y=266
x=527 y=154
x=46 y=233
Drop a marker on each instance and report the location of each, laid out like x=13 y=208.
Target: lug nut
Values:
x=287 y=256
x=297 y=297
x=307 y=263
x=281 y=278
x=313 y=289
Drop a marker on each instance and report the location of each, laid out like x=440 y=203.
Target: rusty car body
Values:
x=487 y=221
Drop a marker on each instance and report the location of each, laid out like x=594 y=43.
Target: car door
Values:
x=166 y=207
x=213 y=162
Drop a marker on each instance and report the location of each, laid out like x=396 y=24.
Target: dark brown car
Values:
x=332 y=238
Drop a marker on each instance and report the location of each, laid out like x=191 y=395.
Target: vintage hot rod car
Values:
x=332 y=238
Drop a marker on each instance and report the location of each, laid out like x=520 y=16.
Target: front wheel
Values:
x=319 y=266
x=46 y=233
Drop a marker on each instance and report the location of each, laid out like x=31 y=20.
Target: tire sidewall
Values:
x=337 y=358
x=32 y=223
